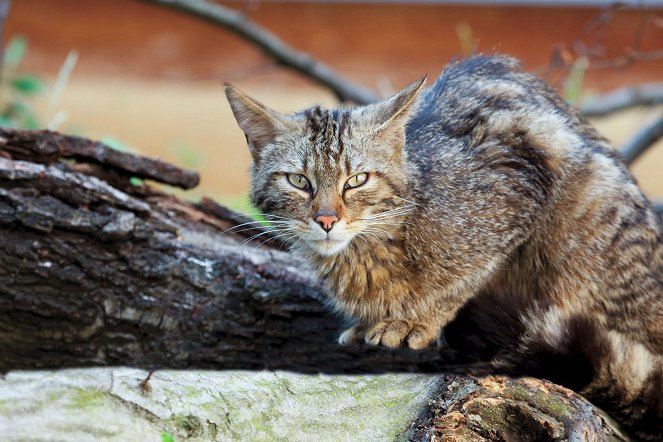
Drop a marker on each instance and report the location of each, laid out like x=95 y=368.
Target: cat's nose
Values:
x=326 y=219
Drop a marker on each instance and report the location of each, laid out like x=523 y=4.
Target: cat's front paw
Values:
x=395 y=332
x=352 y=335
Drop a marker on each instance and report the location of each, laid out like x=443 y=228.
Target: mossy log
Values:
x=95 y=271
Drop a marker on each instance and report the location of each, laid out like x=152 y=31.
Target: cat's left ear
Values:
x=389 y=117
x=260 y=124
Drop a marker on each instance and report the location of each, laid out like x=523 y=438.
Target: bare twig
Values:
x=642 y=140
x=658 y=206
x=623 y=98
x=592 y=41
x=301 y=62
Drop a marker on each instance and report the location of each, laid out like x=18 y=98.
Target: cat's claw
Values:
x=395 y=333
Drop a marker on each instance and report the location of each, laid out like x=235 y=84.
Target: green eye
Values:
x=356 y=180
x=299 y=181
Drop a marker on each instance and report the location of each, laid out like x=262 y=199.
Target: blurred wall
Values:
x=152 y=78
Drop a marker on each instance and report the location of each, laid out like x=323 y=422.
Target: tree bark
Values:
x=94 y=274
x=97 y=272
x=498 y=408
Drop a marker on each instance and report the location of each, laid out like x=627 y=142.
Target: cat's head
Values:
x=324 y=178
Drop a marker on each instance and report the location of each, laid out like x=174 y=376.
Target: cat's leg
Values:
x=431 y=317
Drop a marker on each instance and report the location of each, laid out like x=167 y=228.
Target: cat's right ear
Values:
x=260 y=124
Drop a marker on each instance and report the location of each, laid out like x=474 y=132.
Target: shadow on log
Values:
x=97 y=272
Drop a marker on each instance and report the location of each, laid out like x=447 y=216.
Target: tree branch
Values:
x=271 y=45
x=623 y=98
x=48 y=147
x=641 y=141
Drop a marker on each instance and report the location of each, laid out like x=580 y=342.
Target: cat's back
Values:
x=498 y=152
x=484 y=95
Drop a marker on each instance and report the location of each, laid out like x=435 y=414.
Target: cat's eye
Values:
x=356 y=180
x=299 y=181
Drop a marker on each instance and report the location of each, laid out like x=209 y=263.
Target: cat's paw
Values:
x=352 y=335
x=396 y=333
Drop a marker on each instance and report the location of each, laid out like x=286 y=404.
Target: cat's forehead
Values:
x=329 y=139
x=325 y=129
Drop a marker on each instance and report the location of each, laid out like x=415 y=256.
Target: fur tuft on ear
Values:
x=398 y=106
x=260 y=124
x=388 y=118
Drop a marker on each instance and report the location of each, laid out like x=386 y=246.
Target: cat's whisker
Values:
x=266 y=232
x=254 y=223
x=390 y=223
x=264 y=215
x=288 y=235
x=407 y=201
x=398 y=211
x=248 y=229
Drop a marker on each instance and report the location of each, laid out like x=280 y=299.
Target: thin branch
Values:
x=641 y=141
x=623 y=98
x=271 y=45
x=591 y=43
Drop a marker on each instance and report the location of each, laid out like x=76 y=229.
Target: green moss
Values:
x=192 y=392
x=87 y=398
x=53 y=396
x=167 y=437
x=549 y=403
x=190 y=425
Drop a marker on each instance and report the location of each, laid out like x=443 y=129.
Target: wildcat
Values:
x=484 y=194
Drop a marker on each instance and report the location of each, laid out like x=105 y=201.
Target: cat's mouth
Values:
x=328 y=246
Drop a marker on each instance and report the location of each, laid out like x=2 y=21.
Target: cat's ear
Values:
x=260 y=124
x=388 y=118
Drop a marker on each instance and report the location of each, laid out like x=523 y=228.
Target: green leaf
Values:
x=167 y=437
x=574 y=82
x=135 y=181
x=15 y=51
x=26 y=116
x=7 y=122
x=116 y=144
x=28 y=84
x=466 y=39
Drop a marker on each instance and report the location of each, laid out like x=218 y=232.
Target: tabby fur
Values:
x=492 y=208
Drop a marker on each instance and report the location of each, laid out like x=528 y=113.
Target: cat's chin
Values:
x=328 y=247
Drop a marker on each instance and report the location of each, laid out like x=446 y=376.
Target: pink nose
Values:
x=326 y=220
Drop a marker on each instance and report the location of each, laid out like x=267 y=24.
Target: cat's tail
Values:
x=616 y=373
x=628 y=385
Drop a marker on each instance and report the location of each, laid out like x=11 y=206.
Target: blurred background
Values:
x=148 y=78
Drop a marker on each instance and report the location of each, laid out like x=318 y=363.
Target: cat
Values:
x=484 y=197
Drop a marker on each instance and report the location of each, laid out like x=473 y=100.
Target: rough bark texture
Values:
x=92 y=274
x=95 y=271
x=498 y=408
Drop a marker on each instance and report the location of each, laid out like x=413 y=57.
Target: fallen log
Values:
x=95 y=271
x=93 y=274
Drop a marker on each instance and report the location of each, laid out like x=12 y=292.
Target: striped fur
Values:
x=492 y=208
